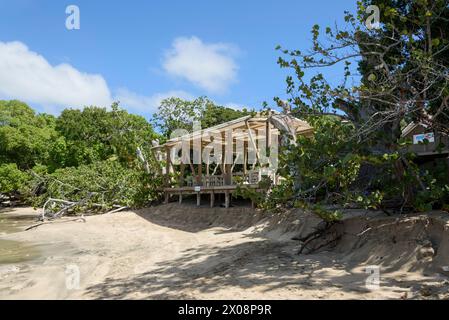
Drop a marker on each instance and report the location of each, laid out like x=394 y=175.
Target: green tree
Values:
x=95 y=134
x=11 y=178
x=176 y=113
x=213 y=115
x=89 y=153
x=26 y=138
x=402 y=67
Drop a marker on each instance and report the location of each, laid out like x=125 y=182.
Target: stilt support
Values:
x=212 y=200
x=198 y=199
x=227 y=199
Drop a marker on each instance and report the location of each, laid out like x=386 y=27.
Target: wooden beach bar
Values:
x=215 y=160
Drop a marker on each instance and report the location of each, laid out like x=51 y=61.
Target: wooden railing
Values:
x=252 y=177
x=213 y=181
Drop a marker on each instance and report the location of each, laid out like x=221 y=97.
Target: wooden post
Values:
x=180 y=198
x=208 y=166
x=167 y=167
x=253 y=143
x=212 y=200
x=200 y=168
x=198 y=199
x=226 y=168
x=228 y=175
x=167 y=197
x=227 y=199
x=268 y=136
x=245 y=157
x=200 y=174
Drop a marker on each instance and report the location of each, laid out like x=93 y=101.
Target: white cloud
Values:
x=208 y=66
x=147 y=104
x=28 y=76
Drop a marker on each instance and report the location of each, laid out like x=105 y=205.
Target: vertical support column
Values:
x=229 y=157
x=200 y=167
x=180 y=198
x=198 y=199
x=268 y=136
x=253 y=145
x=208 y=165
x=167 y=167
x=197 y=151
x=228 y=175
x=167 y=197
x=227 y=199
x=245 y=157
x=212 y=200
x=200 y=174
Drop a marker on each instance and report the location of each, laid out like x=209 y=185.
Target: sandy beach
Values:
x=172 y=252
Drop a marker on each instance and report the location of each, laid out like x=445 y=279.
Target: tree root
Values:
x=316 y=235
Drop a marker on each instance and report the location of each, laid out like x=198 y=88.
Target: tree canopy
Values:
x=89 y=153
x=176 y=113
x=26 y=138
x=390 y=76
x=94 y=134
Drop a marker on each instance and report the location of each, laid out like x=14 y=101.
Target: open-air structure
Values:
x=215 y=160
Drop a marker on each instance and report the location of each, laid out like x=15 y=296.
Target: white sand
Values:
x=182 y=252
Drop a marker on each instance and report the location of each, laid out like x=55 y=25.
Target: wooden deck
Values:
x=212 y=191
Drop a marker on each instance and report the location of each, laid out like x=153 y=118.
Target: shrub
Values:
x=11 y=178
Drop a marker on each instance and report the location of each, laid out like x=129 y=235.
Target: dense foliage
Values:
x=328 y=171
x=361 y=158
x=98 y=186
x=11 y=178
x=95 y=134
x=86 y=154
x=25 y=137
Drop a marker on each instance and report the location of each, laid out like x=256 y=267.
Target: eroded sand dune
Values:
x=197 y=253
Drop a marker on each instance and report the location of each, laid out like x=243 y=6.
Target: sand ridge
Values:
x=173 y=252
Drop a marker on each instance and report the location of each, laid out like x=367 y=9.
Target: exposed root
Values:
x=322 y=235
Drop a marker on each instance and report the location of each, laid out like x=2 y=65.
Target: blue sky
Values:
x=142 y=51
